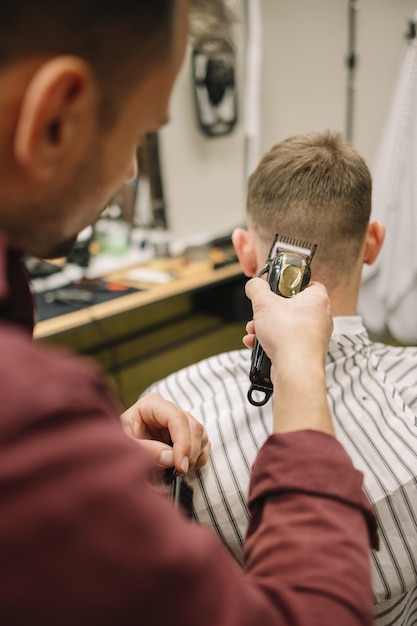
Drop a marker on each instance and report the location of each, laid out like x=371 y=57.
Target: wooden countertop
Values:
x=187 y=276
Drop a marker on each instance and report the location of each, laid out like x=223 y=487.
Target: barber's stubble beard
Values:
x=62 y=250
x=85 y=189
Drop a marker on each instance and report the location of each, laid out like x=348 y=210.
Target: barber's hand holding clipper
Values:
x=295 y=334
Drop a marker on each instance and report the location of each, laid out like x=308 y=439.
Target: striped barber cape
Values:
x=372 y=392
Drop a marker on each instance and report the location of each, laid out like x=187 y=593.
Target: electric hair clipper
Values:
x=288 y=272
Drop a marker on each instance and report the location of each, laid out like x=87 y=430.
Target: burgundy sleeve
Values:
x=87 y=540
x=308 y=507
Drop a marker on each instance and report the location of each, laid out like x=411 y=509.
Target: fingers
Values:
x=285 y=325
x=158 y=423
x=249 y=339
x=188 y=437
x=163 y=455
x=204 y=455
x=255 y=287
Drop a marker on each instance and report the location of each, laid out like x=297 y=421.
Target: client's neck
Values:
x=343 y=302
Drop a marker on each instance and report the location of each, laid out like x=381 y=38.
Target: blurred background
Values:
x=292 y=76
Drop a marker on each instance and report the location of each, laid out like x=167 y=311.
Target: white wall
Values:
x=304 y=88
x=204 y=178
x=305 y=73
x=382 y=44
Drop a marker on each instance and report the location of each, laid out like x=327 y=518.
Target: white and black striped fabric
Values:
x=372 y=392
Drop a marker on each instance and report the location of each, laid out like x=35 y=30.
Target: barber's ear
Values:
x=244 y=246
x=56 y=117
x=373 y=242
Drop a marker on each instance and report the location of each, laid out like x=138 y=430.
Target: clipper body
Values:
x=288 y=272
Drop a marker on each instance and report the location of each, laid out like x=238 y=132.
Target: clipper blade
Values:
x=281 y=242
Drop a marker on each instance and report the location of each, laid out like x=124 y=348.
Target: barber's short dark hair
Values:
x=119 y=39
x=102 y=32
x=115 y=38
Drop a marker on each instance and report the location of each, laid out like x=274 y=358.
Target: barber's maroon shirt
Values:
x=85 y=540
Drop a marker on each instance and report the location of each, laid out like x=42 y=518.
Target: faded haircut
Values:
x=317 y=188
x=120 y=40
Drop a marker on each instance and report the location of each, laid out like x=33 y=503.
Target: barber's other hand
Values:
x=157 y=422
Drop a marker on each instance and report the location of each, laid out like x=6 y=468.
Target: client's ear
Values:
x=244 y=246
x=373 y=242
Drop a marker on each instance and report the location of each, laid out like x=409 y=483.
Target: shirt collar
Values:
x=347 y=325
x=348 y=338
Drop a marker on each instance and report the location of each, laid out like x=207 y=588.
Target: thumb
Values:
x=255 y=287
x=162 y=454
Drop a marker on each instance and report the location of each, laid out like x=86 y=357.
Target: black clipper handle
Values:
x=288 y=274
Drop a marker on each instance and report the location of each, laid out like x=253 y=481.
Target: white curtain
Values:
x=388 y=300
